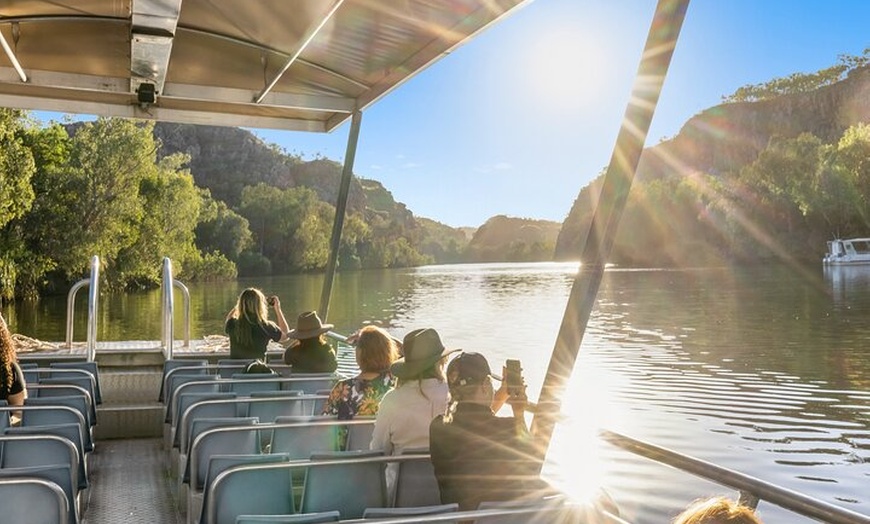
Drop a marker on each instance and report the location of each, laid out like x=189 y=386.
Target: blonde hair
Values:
x=375 y=350
x=717 y=510
x=252 y=308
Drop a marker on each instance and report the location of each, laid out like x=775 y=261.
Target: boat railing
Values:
x=751 y=490
x=93 y=295
x=167 y=339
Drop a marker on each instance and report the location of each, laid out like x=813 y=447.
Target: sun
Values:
x=565 y=70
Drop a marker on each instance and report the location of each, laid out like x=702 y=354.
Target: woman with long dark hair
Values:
x=249 y=327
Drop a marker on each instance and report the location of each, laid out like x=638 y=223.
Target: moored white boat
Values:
x=846 y=252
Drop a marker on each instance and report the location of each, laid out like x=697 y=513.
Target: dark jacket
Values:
x=311 y=356
x=480 y=457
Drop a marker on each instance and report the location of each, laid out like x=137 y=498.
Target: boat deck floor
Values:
x=129 y=484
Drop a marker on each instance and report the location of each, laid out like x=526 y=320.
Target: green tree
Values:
x=220 y=229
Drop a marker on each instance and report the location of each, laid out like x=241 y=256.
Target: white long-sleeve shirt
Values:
x=403 y=420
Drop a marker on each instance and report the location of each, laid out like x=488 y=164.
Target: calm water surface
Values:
x=764 y=371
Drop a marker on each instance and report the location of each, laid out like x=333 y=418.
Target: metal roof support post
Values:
x=340 y=208
x=661 y=40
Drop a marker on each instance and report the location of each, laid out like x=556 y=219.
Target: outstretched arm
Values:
x=279 y=316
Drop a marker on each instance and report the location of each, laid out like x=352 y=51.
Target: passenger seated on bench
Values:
x=477 y=456
x=13 y=388
x=309 y=352
x=360 y=395
x=249 y=327
x=717 y=510
x=405 y=412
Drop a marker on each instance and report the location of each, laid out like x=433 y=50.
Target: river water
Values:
x=765 y=371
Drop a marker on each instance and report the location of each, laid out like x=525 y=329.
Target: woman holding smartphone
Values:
x=249 y=327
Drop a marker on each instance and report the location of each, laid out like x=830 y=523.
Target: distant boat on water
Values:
x=847 y=252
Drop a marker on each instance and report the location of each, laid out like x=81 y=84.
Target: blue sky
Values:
x=516 y=121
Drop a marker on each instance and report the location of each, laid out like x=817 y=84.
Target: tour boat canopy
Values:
x=302 y=65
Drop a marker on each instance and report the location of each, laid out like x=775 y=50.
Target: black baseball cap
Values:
x=469 y=368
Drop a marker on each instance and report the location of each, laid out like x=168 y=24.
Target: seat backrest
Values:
x=243 y=491
x=185 y=416
x=217 y=464
x=90 y=367
x=56 y=473
x=299 y=518
x=88 y=383
x=416 y=484
x=41 y=450
x=268 y=409
x=71 y=432
x=436 y=509
x=77 y=402
x=49 y=388
x=539 y=510
x=362 y=485
x=312 y=383
x=50 y=415
x=205 y=415
x=301 y=441
x=222 y=440
x=254 y=382
x=170 y=366
x=179 y=384
x=359 y=436
x=33 y=500
x=227 y=367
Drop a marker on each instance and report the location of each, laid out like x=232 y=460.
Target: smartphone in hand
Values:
x=513 y=377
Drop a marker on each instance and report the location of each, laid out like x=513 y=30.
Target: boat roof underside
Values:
x=303 y=65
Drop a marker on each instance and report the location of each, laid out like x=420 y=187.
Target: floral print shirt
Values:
x=356 y=396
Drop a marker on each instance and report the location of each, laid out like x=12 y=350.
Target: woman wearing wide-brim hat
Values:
x=309 y=352
x=405 y=413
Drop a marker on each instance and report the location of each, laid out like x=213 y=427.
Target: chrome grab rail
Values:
x=93 y=298
x=167 y=335
x=751 y=489
x=185 y=295
x=168 y=308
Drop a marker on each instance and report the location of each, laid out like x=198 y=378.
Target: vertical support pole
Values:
x=661 y=40
x=340 y=208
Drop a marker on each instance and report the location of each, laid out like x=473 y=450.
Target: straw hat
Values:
x=422 y=349
x=308 y=325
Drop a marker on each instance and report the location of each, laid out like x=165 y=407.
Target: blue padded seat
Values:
x=33 y=500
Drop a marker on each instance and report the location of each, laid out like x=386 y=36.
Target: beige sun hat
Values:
x=308 y=325
x=422 y=349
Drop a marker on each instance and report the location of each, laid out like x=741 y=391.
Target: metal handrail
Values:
x=185 y=295
x=93 y=297
x=167 y=335
x=746 y=485
x=168 y=309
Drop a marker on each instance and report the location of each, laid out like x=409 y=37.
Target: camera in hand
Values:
x=271 y=301
x=513 y=377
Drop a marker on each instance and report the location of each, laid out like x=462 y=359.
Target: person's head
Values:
x=309 y=326
x=717 y=510
x=252 y=306
x=469 y=378
x=375 y=350
x=424 y=357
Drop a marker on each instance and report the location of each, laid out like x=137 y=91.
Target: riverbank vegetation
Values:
x=748 y=182
x=217 y=201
